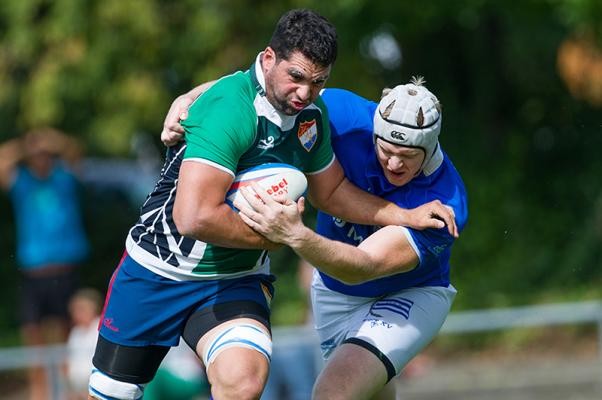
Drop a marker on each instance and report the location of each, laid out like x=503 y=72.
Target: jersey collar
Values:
x=257 y=75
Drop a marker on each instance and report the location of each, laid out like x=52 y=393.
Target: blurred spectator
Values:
x=84 y=309
x=179 y=377
x=36 y=171
x=295 y=363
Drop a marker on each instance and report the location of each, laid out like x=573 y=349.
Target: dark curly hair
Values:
x=308 y=32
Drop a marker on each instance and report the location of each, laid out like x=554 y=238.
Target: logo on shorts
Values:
x=328 y=345
x=266 y=293
x=378 y=322
x=308 y=134
x=108 y=323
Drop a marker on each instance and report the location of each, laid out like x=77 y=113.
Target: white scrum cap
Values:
x=410 y=115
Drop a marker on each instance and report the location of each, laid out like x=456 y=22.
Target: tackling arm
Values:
x=330 y=191
x=383 y=253
x=333 y=193
x=173 y=131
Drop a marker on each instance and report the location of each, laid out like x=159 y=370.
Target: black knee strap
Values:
x=202 y=321
x=127 y=363
x=381 y=356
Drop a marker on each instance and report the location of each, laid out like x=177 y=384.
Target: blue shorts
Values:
x=143 y=308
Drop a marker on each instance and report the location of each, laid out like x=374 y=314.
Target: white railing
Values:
x=589 y=312
x=586 y=312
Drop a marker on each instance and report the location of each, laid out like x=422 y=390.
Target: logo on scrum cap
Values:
x=398 y=135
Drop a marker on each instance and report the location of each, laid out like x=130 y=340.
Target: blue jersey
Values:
x=47 y=214
x=351 y=123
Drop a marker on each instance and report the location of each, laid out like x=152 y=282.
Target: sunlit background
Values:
x=521 y=88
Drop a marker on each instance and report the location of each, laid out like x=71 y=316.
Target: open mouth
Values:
x=298 y=105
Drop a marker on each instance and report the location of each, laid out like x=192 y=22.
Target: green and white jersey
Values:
x=232 y=127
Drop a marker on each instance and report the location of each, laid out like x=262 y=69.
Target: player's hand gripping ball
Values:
x=275 y=178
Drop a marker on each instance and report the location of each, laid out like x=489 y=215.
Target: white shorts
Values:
x=394 y=327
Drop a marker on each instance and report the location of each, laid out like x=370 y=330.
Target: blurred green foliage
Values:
x=529 y=152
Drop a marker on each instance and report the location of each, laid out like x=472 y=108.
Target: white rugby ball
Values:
x=274 y=178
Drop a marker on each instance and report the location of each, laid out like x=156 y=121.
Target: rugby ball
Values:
x=275 y=178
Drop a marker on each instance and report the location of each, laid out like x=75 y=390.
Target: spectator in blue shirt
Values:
x=36 y=171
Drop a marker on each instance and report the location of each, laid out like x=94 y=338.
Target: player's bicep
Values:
x=323 y=184
x=391 y=250
x=201 y=189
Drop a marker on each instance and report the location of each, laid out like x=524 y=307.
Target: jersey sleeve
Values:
x=348 y=112
x=431 y=243
x=220 y=127
x=435 y=242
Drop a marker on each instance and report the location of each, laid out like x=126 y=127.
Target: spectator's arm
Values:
x=11 y=152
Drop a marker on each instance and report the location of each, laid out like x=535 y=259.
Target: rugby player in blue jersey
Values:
x=379 y=294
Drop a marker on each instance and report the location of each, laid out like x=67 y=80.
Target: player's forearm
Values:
x=337 y=259
x=222 y=227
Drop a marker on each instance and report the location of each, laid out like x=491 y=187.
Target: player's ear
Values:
x=268 y=59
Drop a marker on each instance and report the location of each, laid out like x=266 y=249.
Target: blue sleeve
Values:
x=436 y=242
x=432 y=242
x=348 y=112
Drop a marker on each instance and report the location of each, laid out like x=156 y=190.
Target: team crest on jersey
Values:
x=308 y=134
